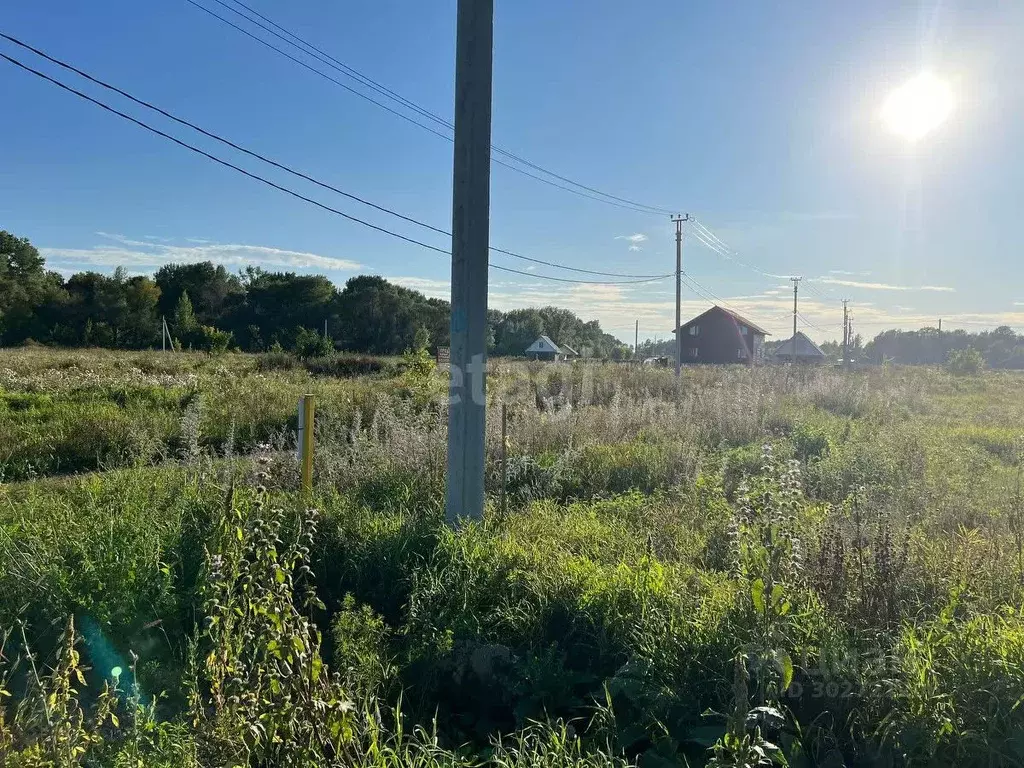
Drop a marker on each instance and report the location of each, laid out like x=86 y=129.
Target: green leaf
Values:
x=705 y=735
x=785 y=662
x=757 y=594
x=777 y=595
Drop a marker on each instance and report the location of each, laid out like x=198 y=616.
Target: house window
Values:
x=744 y=330
x=739 y=353
x=693 y=351
x=695 y=330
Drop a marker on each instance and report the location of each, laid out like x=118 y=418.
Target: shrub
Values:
x=965 y=362
x=210 y=339
x=311 y=344
x=276 y=360
x=347 y=365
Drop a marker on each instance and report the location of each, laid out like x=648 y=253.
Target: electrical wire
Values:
x=830 y=329
x=809 y=285
x=325 y=58
x=300 y=174
x=286 y=190
x=716 y=244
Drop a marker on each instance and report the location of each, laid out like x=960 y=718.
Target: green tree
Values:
x=382 y=318
x=27 y=292
x=421 y=339
x=142 y=319
x=184 y=323
x=214 y=292
x=280 y=303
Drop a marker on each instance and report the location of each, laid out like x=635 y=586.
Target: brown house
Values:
x=720 y=336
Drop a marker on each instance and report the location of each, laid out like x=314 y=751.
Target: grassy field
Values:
x=764 y=567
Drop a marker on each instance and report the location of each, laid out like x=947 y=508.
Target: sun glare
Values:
x=917 y=108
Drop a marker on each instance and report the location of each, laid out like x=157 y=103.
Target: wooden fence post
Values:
x=504 y=459
x=306 y=420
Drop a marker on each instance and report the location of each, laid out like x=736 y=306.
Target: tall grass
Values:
x=661 y=588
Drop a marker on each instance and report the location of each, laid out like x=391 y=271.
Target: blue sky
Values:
x=762 y=120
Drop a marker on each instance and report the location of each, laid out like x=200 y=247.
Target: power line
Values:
x=716 y=244
x=325 y=58
x=809 y=284
x=830 y=329
x=284 y=189
x=706 y=293
x=384 y=90
x=319 y=52
x=299 y=174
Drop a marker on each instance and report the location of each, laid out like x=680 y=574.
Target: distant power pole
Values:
x=470 y=232
x=796 y=286
x=940 y=325
x=846 y=335
x=636 y=339
x=679 y=290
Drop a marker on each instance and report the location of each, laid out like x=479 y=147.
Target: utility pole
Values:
x=636 y=339
x=796 y=286
x=846 y=335
x=679 y=290
x=470 y=232
x=940 y=325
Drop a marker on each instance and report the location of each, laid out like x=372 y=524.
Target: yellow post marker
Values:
x=306 y=413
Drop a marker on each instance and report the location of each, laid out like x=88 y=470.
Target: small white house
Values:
x=545 y=349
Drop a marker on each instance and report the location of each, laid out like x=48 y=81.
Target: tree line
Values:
x=206 y=307
x=998 y=348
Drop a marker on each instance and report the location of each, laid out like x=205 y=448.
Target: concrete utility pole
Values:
x=470 y=233
x=846 y=335
x=636 y=339
x=679 y=290
x=796 y=286
x=940 y=325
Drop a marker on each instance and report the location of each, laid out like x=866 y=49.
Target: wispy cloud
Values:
x=817 y=216
x=881 y=286
x=435 y=289
x=848 y=273
x=636 y=238
x=146 y=254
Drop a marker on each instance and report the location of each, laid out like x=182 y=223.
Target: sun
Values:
x=919 y=107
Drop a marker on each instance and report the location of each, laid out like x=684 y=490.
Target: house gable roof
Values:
x=543 y=344
x=738 y=318
x=804 y=347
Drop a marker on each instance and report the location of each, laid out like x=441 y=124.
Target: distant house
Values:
x=569 y=352
x=720 y=336
x=807 y=351
x=545 y=349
